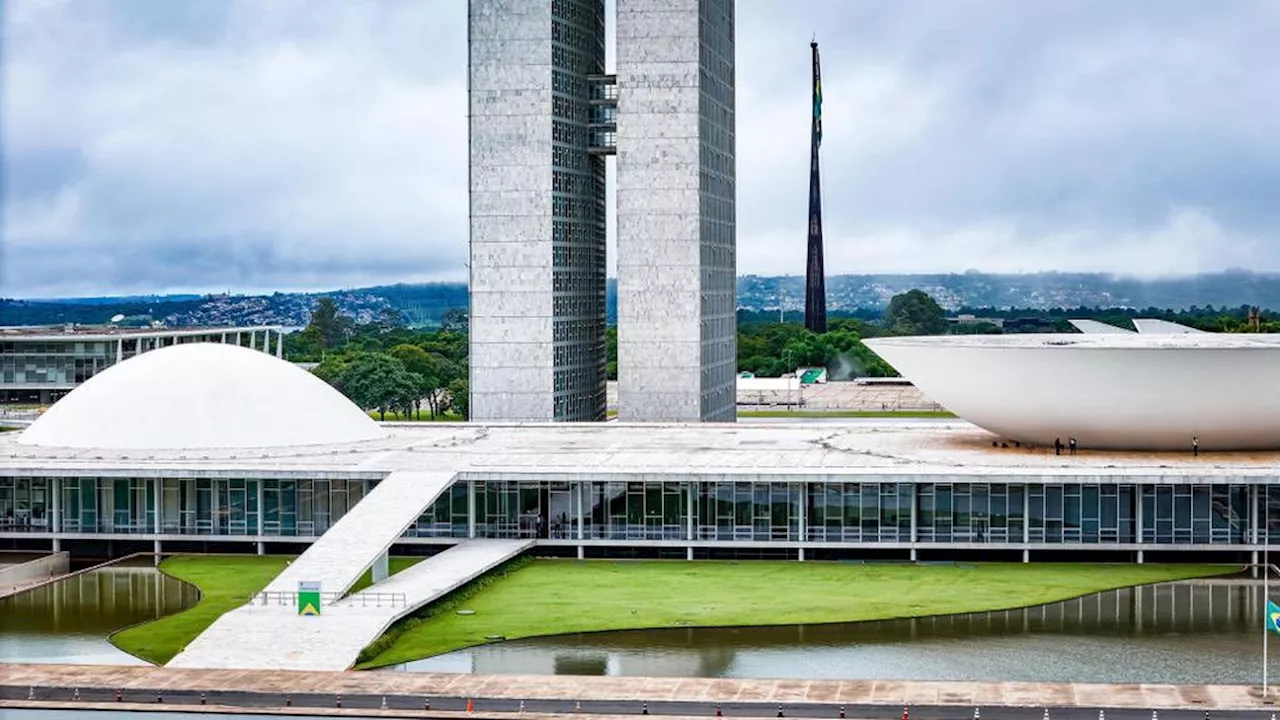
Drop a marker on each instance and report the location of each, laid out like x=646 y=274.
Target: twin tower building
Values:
x=544 y=119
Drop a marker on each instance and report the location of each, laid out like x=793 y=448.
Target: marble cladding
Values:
x=670 y=293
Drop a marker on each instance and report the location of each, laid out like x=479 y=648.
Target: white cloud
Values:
x=214 y=144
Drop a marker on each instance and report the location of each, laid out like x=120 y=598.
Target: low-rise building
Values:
x=41 y=364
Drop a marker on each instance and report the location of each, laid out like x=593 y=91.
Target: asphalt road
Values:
x=177 y=700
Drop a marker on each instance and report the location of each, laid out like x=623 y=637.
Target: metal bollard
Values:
x=644 y=708
x=780 y=710
x=337 y=701
x=842 y=711
x=976 y=714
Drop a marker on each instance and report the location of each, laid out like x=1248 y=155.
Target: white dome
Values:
x=201 y=395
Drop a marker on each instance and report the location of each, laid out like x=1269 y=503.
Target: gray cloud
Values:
x=236 y=144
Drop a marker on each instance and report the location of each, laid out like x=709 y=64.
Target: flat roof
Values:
x=1115 y=341
x=96 y=332
x=875 y=449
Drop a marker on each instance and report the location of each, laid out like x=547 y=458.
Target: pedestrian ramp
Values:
x=271 y=634
x=339 y=557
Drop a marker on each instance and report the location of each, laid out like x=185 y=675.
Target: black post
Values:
x=815 y=285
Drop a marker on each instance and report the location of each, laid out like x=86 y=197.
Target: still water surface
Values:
x=69 y=621
x=1188 y=632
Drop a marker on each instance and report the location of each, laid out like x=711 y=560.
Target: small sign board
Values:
x=308 y=597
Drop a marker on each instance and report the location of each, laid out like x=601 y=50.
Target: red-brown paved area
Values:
x=553 y=687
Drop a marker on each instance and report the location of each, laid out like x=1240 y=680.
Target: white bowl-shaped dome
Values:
x=1125 y=391
x=201 y=395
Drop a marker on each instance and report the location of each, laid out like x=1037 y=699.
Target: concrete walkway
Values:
x=270 y=634
x=139 y=680
x=274 y=636
x=346 y=550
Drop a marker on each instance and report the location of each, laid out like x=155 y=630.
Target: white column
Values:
x=471 y=508
x=158 y=489
x=261 y=547
x=804 y=520
x=280 y=343
x=266 y=340
x=579 y=519
x=55 y=513
x=915 y=502
x=261 y=513
x=1254 y=535
x=382 y=566
x=1026 y=523
x=155 y=549
x=691 y=496
x=1138 y=520
x=120 y=349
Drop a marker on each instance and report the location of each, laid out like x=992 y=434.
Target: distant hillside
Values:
x=423 y=305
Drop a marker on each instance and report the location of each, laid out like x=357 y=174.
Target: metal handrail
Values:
x=360 y=599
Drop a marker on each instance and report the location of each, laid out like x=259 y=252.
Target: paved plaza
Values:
x=829 y=396
x=141 y=684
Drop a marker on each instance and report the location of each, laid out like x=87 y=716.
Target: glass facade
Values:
x=578 y=213
x=817 y=513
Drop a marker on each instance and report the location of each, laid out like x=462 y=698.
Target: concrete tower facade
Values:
x=537 y=322
x=542 y=120
x=677 y=334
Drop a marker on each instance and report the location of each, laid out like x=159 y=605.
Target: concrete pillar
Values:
x=382 y=566
x=266 y=341
x=1141 y=557
x=120 y=349
x=471 y=508
x=156 y=489
x=261 y=547
x=804 y=519
x=1254 y=560
x=261 y=512
x=55 y=512
x=280 y=343
x=1026 y=523
x=688 y=553
x=155 y=549
x=915 y=502
x=1139 y=521
x=580 y=517
x=1026 y=555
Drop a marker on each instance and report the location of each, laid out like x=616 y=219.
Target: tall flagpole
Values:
x=1266 y=596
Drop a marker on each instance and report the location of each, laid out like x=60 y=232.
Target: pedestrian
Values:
x=1071 y=442
x=1057 y=446
x=1195 y=446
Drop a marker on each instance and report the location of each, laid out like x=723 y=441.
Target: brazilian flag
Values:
x=1273 y=617
x=817 y=99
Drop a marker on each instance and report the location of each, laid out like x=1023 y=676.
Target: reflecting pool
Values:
x=69 y=621
x=1206 y=631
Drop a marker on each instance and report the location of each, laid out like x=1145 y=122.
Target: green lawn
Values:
x=225 y=583
x=562 y=596
x=426 y=417
x=847 y=413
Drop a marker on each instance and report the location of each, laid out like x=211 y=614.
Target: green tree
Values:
x=435 y=371
x=331 y=327
x=458 y=397
x=377 y=381
x=915 y=313
x=611 y=352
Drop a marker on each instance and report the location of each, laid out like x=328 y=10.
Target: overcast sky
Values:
x=208 y=145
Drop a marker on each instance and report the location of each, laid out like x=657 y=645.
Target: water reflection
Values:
x=69 y=621
x=1202 y=631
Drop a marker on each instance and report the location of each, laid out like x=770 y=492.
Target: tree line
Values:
x=386 y=367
